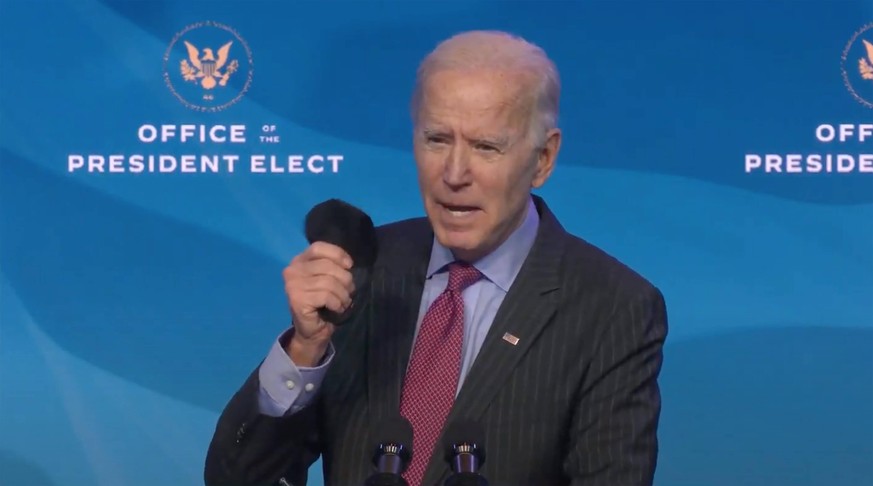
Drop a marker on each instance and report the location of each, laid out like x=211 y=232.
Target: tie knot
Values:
x=462 y=275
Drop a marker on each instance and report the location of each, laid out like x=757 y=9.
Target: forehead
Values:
x=497 y=99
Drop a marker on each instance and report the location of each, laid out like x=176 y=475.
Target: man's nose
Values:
x=456 y=171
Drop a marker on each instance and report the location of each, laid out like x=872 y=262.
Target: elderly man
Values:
x=485 y=310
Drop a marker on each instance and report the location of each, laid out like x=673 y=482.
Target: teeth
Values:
x=459 y=213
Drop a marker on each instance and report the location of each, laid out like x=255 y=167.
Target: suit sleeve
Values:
x=250 y=448
x=613 y=437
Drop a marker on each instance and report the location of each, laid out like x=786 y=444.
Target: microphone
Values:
x=392 y=452
x=465 y=453
x=341 y=224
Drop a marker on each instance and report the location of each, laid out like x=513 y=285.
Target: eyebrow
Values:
x=498 y=140
x=429 y=132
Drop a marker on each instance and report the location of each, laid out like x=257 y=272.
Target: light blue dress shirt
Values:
x=287 y=388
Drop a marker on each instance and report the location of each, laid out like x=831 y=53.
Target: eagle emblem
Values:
x=865 y=67
x=207 y=68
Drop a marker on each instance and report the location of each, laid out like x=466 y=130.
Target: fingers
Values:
x=321 y=273
x=318 y=277
x=331 y=300
x=318 y=291
x=322 y=250
x=327 y=268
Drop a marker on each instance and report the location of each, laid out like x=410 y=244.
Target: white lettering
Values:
x=238 y=133
x=209 y=162
x=849 y=163
x=295 y=164
x=95 y=163
x=196 y=133
x=167 y=163
x=75 y=162
x=336 y=159
x=792 y=163
x=147 y=133
x=213 y=134
x=258 y=164
x=231 y=159
x=316 y=169
x=809 y=163
x=865 y=130
x=772 y=163
x=187 y=164
x=186 y=132
x=116 y=163
x=200 y=163
x=846 y=131
x=136 y=164
x=167 y=132
x=813 y=163
x=821 y=130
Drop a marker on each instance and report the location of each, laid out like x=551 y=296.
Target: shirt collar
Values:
x=501 y=265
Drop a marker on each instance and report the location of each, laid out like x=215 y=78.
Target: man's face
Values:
x=476 y=161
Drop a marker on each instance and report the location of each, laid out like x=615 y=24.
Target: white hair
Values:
x=502 y=51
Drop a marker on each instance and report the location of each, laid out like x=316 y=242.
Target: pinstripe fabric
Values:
x=576 y=401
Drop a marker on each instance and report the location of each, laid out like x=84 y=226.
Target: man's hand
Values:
x=318 y=277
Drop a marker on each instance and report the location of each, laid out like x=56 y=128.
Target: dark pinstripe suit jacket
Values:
x=576 y=401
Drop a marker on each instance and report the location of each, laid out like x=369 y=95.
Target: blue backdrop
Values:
x=135 y=302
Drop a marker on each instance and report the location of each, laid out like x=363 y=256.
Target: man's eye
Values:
x=436 y=140
x=486 y=147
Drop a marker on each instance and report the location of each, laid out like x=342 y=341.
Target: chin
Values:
x=464 y=244
x=454 y=239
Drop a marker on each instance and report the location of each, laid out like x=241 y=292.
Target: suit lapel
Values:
x=526 y=310
x=398 y=285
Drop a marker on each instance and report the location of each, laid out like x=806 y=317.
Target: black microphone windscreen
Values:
x=339 y=223
x=395 y=430
x=465 y=431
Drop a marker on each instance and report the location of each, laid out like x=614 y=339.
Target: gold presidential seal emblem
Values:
x=857 y=65
x=208 y=66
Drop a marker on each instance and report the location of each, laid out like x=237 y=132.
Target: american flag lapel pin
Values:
x=510 y=339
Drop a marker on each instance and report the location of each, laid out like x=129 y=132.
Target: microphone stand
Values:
x=389 y=463
x=466 y=463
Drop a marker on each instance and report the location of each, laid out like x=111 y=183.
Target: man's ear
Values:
x=546 y=157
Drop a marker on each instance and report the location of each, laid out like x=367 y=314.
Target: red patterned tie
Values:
x=432 y=377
